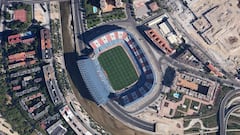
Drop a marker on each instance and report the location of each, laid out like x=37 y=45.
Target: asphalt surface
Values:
x=116 y=110
x=127 y=119
x=183 y=67
x=29 y=1
x=78 y=25
x=222 y=111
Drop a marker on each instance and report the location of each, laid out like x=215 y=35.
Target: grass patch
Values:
x=115 y=14
x=88 y=7
x=194 y=103
x=92 y=21
x=118 y=67
x=210 y=122
x=185 y=105
x=178 y=114
x=233 y=122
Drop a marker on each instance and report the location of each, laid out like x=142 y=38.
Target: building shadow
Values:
x=72 y=57
x=74 y=73
x=95 y=3
x=98 y=31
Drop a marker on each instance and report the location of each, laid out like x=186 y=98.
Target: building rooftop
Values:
x=14 y=39
x=15 y=88
x=21 y=15
x=20 y=56
x=141 y=10
x=159 y=41
x=214 y=70
x=153 y=6
x=109 y=5
x=46 y=44
x=26 y=38
x=57 y=129
x=52 y=86
x=187 y=84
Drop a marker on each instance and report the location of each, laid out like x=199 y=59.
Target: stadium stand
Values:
x=93 y=81
x=98 y=83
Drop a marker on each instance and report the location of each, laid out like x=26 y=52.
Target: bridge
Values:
x=225 y=112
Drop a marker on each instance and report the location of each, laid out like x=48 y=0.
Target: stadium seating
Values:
x=146 y=80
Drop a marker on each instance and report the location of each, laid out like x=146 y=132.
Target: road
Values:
x=29 y=1
x=115 y=110
x=222 y=111
x=183 y=67
x=78 y=25
x=120 y=114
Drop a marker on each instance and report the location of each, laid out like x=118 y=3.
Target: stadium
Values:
x=117 y=69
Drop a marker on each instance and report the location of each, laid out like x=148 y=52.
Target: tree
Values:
x=6 y=15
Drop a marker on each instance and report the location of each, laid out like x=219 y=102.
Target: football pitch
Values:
x=118 y=67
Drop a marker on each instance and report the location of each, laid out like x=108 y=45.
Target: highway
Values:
x=223 y=114
x=230 y=111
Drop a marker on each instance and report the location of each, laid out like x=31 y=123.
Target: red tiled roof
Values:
x=214 y=70
x=14 y=39
x=20 y=15
x=15 y=88
x=17 y=57
x=45 y=39
x=20 y=56
x=159 y=41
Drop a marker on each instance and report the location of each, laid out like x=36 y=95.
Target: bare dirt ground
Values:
x=164 y=126
x=97 y=113
x=224 y=34
x=6 y=128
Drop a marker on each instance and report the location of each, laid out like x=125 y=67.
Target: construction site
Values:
x=215 y=26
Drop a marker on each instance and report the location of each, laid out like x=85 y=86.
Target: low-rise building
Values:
x=73 y=122
x=21 y=64
x=46 y=45
x=20 y=15
x=57 y=129
x=52 y=86
x=16 y=88
x=26 y=91
x=21 y=56
x=159 y=41
x=32 y=108
x=109 y=5
x=26 y=38
x=153 y=6
x=214 y=70
x=141 y=9
x=196 y=86
x=24 y=72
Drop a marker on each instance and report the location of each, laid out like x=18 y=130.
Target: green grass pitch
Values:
x=120 y=70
